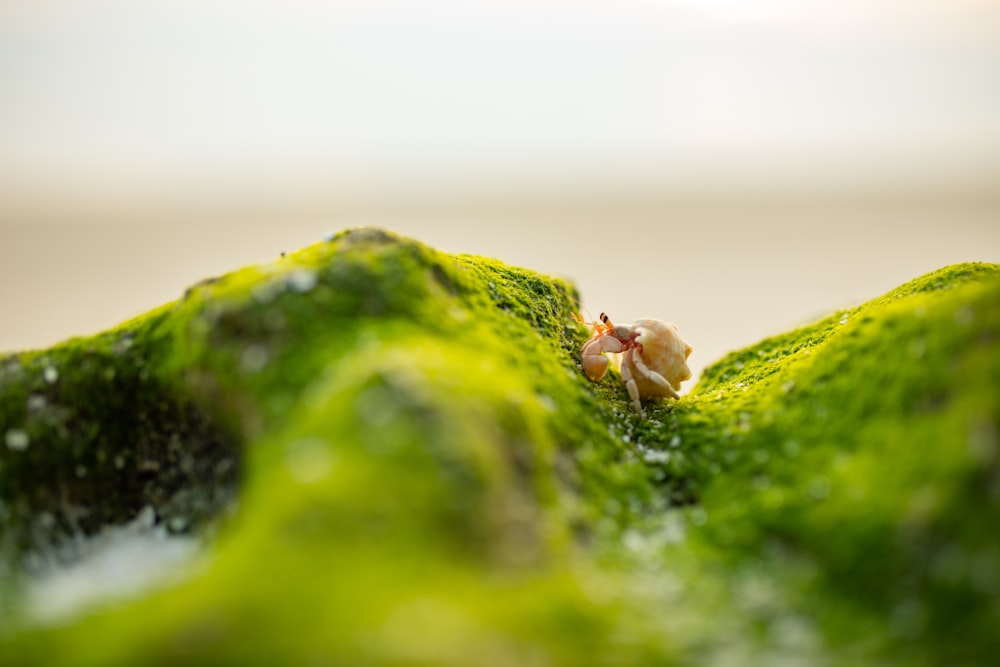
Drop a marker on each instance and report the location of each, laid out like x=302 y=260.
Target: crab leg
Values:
x=633 y=388
x=646 y=372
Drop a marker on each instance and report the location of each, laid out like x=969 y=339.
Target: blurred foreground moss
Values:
x=394 y=459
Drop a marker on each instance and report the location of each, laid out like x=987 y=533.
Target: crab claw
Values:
x=595 y=364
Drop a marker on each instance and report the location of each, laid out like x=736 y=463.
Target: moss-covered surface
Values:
x=425 y=477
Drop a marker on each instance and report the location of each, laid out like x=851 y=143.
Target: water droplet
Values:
x=17 y=440
x=819 y=488
x=36 y=403
x=81 y=471
x=675 y=441
x=177 y=524
x=119 y=462
x=254 y=358
x=302 y=280
x=547 y=403
x=50 y=374
x=266 y=292
x=123 y=344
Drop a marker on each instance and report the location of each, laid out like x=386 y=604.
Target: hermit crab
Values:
x=654 y=361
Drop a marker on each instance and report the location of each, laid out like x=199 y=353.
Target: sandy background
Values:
x=735 y=167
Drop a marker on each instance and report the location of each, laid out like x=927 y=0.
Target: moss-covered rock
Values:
x=424 y=476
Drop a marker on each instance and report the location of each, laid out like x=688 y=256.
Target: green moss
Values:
x=425 y=477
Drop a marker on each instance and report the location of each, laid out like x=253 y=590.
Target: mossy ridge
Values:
x=370 y=335
x=751 y=572
x=752 y=385
x=849 y=472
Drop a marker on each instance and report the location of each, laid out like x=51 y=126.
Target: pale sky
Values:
x=179 y=98
x=735 y=166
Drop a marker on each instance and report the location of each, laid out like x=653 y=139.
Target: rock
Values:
x=424 y=476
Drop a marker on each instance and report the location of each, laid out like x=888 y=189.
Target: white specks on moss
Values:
x=118 y=562
x=656 y=456
x=675 y=441
x=17 y=440
x=50 y=374
x=123 y=344
x=265 y=292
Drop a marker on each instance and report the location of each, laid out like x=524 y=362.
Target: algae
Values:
x=424 y=476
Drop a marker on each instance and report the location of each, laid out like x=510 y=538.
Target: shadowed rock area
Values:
x=389 y=455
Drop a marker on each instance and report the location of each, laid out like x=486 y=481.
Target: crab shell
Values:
x=663 y=351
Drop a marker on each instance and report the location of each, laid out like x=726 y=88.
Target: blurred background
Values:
x=738 y=167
